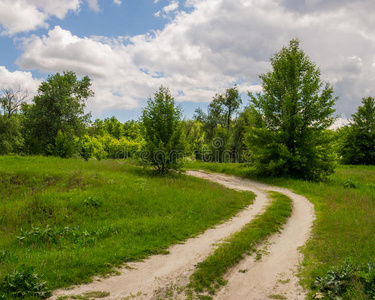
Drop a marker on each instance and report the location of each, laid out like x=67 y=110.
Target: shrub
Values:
x=23 y=282
x=340 y=281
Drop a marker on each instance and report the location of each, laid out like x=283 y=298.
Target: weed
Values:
x=280 y=297
x=283 y=281
x=340 y=280
x=93 y=202
x=23 y=282
x=351 y=184
x=65 y=236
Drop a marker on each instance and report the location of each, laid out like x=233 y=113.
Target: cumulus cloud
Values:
x=18 y=79
x=27 y=15
x=217 y=44
x=166 y=10
x=19 y=17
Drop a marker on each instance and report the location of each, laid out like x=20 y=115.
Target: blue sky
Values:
x=195 y=47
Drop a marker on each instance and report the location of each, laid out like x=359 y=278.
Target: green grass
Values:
x=345 y=208
x=71 y=219
x=208 y=276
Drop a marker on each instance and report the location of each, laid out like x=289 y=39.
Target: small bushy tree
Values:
x=162 y=132
x=293 y=112
x=64 y=145
x=358 y=145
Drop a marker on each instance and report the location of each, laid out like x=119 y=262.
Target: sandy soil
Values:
x=272 y=275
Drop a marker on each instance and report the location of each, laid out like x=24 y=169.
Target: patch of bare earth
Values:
x=163 y=276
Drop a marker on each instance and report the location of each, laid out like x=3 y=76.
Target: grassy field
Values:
x=59 y=218
x=343 y=239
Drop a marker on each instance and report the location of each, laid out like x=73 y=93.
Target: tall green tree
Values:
x=293 y=113
x=358 y=145
x=162 y=132
x=59 y=105
x=220 y=113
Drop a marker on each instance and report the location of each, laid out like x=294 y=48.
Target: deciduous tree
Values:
x=359 y=137
x=293 y=112
x=59 y=105
x=162 y=132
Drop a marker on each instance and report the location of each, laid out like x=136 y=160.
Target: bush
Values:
x=64 y=146
x=340 y=281
x=23 y=282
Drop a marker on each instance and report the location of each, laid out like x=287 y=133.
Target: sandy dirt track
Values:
x=272 y=275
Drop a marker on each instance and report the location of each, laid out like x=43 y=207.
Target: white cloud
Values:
x=58 y=8
x=93 y=4
x=219 y=43
x=19 y=79
x=117 y=2
x=26 y=15
x=16 y=16
x=166 y=10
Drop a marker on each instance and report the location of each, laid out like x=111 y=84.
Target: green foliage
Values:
x=63 y=147
x=91 y=147
x=10 y=134
x=291 y=115
x=132 y=130
x=220 y=113
x=209 y=274
x=23 y=283
x=106 y=146
x=220 y=147
x=163 y=132
x=340 y=282
x=195 y=137
x=358 y=145
x=65 y=236
x=114 y=127
x=93 y=201
x=59 y=105
x=351 y=184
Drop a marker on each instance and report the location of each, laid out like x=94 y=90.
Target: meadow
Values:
x=67 y=220
x=342 y=244
x=59 y=217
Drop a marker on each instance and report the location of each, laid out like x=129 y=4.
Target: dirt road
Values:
x=272 y=275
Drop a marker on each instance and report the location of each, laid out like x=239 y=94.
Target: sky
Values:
x=196 y=48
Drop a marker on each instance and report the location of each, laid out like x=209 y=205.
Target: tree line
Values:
x=283 y=131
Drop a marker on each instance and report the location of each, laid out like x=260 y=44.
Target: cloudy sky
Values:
x=195 y=47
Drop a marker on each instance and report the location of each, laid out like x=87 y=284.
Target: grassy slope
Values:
x=106 y=206
x=345 y=227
